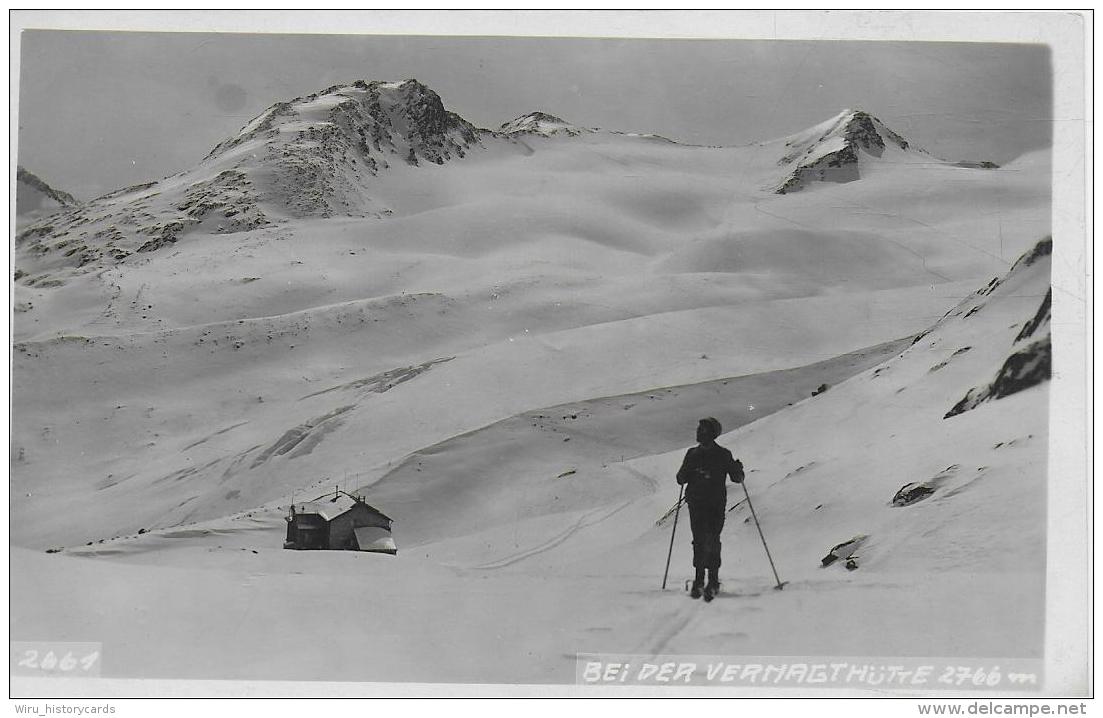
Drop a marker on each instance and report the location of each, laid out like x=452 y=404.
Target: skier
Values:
x=704 y=471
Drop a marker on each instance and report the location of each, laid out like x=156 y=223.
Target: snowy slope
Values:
x=979 y=522
x=503 y=340
x=942 y=576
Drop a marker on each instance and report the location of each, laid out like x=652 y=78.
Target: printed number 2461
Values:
x=50 y=661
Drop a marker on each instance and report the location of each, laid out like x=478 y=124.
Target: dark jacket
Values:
x=704 y=471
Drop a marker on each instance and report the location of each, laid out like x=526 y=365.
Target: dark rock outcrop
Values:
x=1027 y=367
x=844 y=550
x=1030 y=361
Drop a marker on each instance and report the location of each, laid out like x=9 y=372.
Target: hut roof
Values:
x=330 y=507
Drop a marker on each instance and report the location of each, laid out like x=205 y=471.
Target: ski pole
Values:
x=677 y=510
x=763 y=537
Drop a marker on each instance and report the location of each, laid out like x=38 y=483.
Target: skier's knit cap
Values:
x=712 y=426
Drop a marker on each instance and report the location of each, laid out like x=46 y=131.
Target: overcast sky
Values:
x=101 y=110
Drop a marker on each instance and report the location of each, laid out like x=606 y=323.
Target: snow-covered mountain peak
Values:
x=543 y=124
x=313 y=156
x=374 y=115
x=832 y=149
x=853 y=128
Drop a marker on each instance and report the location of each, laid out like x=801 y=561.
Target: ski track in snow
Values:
x=583 y=522
x=670 y=625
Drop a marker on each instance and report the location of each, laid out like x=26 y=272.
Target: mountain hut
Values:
x=339 y=522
